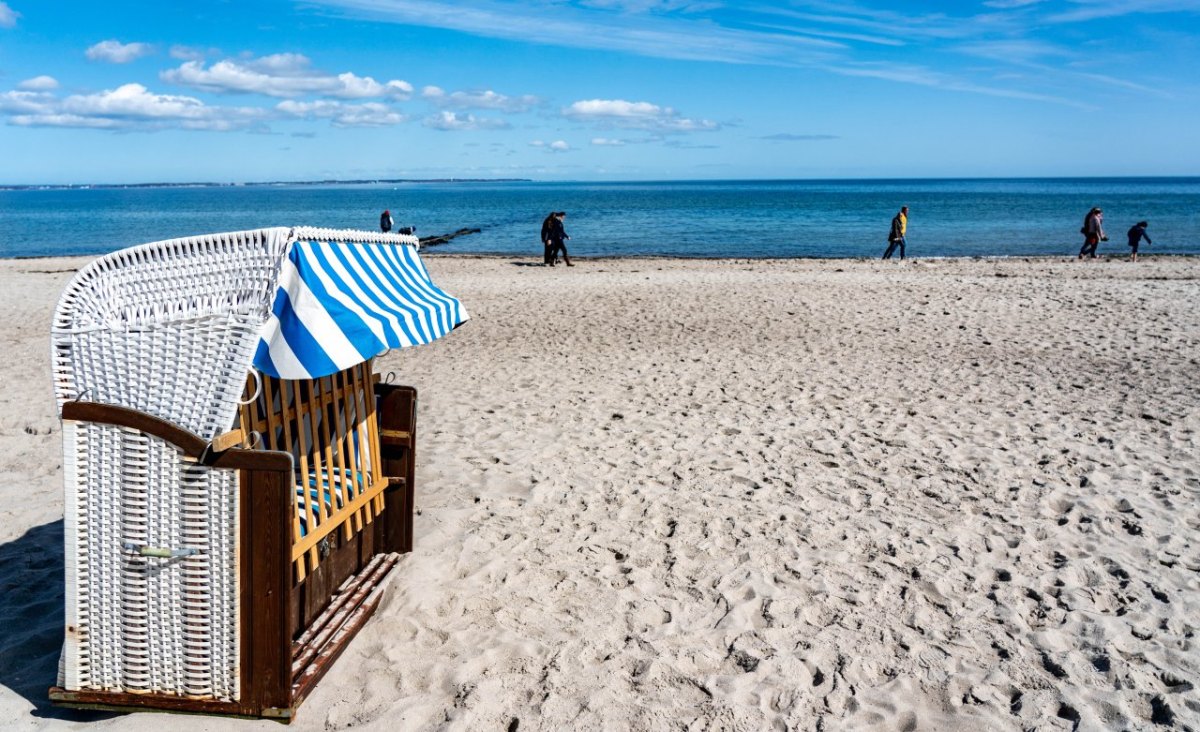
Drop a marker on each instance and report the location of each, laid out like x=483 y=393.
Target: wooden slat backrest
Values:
x=329 y=427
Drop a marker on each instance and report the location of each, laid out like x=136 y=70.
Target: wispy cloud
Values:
x=1013 y=50
x=635 y=115
x=644 y=6
x=689 y=145
x=839 y=35
x=281 y=75
x=341 y=114
x=459 y=121
x=660 y=30
x=130 y=106
x=924 y=76
x=791 y=137
x=1006 y=4
x=186 y=53
x=115 y=52
x=1097 y=9
x=1036 y=57
x=8 y=16
x=608 y=142
x=846 y=37
x=884 y=24
x=479 y=100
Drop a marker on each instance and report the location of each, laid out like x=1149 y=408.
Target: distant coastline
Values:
x=201 y=184
x=679 y=182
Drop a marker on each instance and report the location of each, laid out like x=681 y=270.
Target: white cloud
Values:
x=556 y=146
x=54 y=119
x=133 y=100
x=479 y=100
x=39 y=83
x=281 y=75
x=456 y=121
x=24 y=102
x=115 y=52
x=130 y=106
x=635 y=115
x=287 y=64
x=8 y=16
x=607 y=142
x=370 y=114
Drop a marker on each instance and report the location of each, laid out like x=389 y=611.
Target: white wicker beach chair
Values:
x=238 y=482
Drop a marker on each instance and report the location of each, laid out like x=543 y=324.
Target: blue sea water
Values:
x=833 y=218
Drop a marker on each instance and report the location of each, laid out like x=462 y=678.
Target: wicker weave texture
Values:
x=168 y=328
x=139 y=623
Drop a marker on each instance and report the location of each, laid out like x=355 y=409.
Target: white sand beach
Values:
x=741 y=495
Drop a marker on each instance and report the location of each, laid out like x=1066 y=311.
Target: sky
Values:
x=583 y=90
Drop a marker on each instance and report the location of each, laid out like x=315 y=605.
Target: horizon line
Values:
x=455 y=179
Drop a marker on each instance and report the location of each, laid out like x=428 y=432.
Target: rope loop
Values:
x=257 y=388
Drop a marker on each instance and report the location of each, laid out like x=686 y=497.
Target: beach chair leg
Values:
x=266 y=579
x=397 y=413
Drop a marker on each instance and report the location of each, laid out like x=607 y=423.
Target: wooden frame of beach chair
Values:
x=292 y=627
x=220 y=560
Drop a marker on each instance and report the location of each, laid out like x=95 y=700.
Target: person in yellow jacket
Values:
x=896 y=235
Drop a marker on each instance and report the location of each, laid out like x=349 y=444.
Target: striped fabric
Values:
x=340 y=303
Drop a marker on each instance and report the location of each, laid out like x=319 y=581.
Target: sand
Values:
x=742 y=495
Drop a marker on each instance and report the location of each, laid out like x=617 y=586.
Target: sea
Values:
x=711 y=219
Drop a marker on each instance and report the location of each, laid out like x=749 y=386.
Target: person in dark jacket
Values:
x=897 y=232
x=558 y=237
x=1136 y=234
x=385 y=221
x=1093 y=232
x=547 y=247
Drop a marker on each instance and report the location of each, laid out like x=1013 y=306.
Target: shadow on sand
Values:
x=31 y=618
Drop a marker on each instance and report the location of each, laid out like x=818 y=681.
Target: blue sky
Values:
x=596 y=89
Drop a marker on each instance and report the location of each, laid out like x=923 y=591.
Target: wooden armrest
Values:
x=188 y=442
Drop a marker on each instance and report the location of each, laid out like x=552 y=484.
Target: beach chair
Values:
x=239 y=480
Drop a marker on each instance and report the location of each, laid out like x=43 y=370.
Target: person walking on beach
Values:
x=558 y=237
x=385 y=221
x=1136 y=234
x=547 y=247
x=1093 y=232
x=897 y=232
